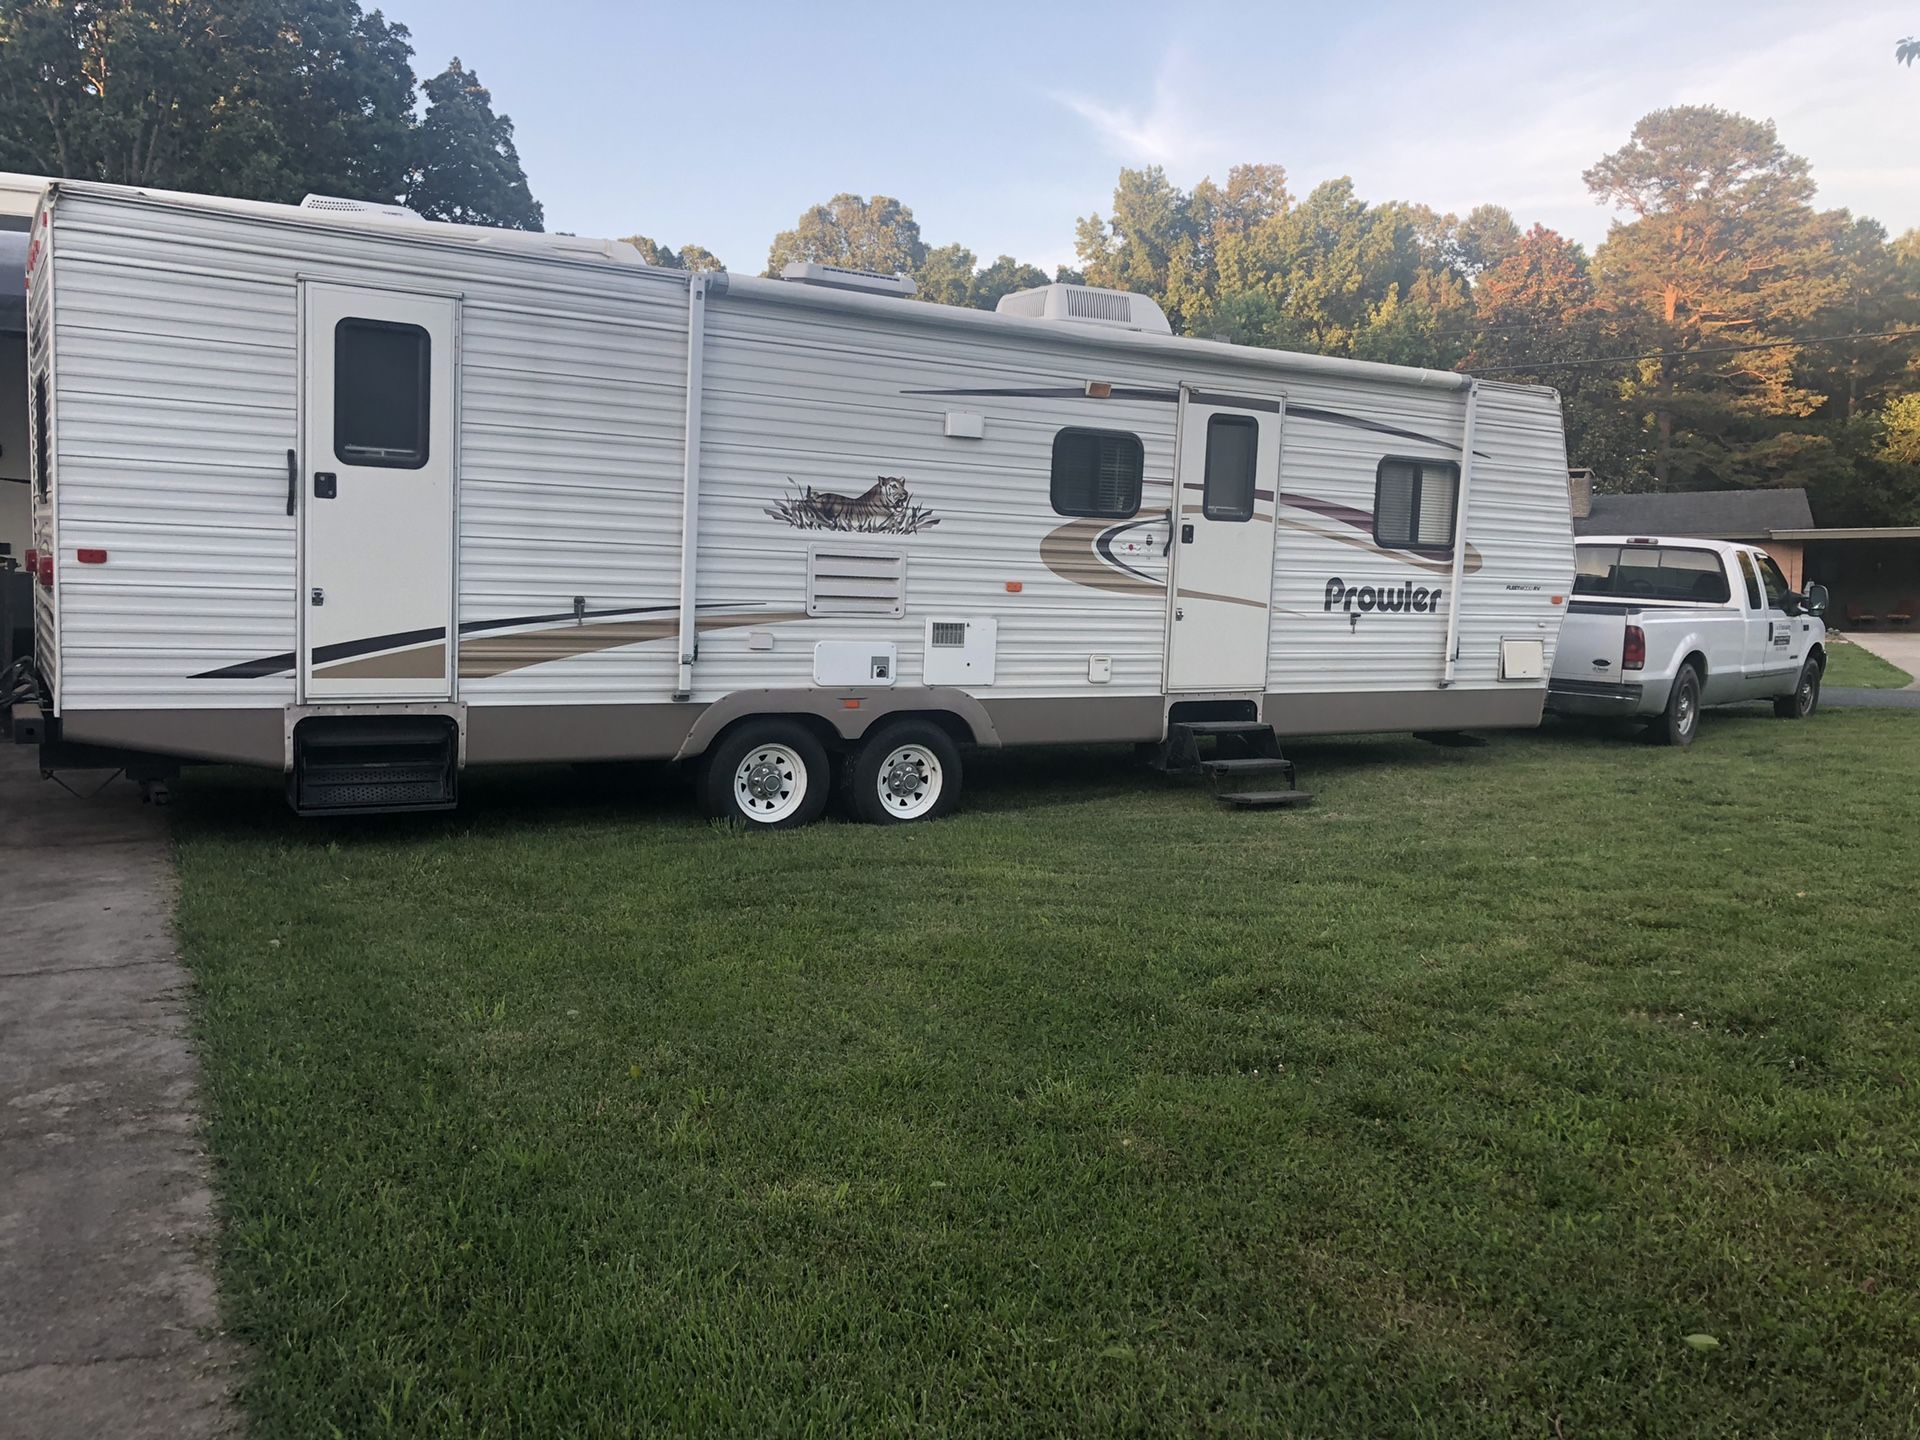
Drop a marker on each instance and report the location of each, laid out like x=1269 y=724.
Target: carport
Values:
x=1871 y=573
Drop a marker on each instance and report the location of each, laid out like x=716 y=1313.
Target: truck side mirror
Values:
x=1816 y=599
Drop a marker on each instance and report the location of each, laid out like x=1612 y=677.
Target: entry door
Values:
x=1226 y=477
x=376 y=594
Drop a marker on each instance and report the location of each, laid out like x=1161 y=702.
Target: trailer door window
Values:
x=1413 y=503
x=380 y=393
x=1233 y=443
x=1097 y=473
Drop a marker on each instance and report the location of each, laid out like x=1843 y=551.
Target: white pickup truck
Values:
x=1658 y=628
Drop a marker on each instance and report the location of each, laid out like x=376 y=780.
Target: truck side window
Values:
x=1776 y=583
x=1753 y=583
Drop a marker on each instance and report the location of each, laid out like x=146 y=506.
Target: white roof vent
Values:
x=337 y=205
x=841 y=277
x=1088 y=305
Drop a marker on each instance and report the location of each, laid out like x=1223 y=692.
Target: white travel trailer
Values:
x=368 y=499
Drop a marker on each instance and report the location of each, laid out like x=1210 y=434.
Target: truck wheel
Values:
x=1805 y=698
x=903 y=772
x=768 y=773
x=1682 y=716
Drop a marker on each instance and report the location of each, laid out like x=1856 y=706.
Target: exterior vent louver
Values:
x=846 y=582
x=949 y=633
x=1099 y=305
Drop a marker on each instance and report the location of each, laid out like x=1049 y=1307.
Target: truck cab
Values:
x=1659 y=628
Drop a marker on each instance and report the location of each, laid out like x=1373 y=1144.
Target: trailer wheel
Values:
x=1805 y=698
x=905 y=772
x=1682 y=717
x=768 y=773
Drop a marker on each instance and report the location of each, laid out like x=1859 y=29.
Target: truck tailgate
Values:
x=1592 y=638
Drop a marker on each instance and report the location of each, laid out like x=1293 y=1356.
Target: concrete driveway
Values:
x=107 y=1318
x=1896 y=647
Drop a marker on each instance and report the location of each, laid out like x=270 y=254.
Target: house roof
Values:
x=1710 y=514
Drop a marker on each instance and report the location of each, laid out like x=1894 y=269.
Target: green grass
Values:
x=1850 y=664
x=1449 y=1107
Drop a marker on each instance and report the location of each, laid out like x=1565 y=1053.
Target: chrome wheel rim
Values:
x=910 y=781
x=1686 y=711
x=770 y=783
x=1805 y=696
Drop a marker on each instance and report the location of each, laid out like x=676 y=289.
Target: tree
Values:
x=689 y=257
x=264 y=99
x=1004 y=276
x=878 y=234
x=465 y=168
x=1724 y=249
x=946 y=276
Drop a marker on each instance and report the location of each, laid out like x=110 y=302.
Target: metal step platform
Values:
x=1236 y=750
x=374 y=765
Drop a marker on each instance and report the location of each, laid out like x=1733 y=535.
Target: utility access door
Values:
x=1226 y=477
x=376 y=486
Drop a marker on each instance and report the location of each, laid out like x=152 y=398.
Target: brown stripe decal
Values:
x=499 y=654
x=1223 y=599
x=1471 y=565
x=423 y=662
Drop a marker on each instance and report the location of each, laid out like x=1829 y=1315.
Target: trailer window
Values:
x=41 y=449
x=1097 y=473
x=1233 y=443
x=1650 y=572
x=380 y=393
x=1413 y=503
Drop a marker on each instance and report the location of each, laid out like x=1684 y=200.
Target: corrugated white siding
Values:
x=176 y=338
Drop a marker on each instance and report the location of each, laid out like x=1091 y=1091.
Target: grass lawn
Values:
x=1452 y=1106
x=1850 y=664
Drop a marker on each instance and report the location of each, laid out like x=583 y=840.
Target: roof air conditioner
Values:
x=841 y=277
x=338 y=205
x=1087 y=305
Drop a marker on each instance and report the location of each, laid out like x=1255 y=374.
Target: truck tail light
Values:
x=1633 y=655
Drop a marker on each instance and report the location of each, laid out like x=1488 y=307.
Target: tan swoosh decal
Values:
x=1068 y=552
x=1436 y=567
x=422 y=662
x=498 y=654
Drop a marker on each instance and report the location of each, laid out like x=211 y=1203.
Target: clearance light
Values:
x=849 y=704
x=1558 y=598
x=46 y=571
x=91 y=557
x=1014 y=587
x=33 y=561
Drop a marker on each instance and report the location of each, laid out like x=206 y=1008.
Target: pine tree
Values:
x=465 y=168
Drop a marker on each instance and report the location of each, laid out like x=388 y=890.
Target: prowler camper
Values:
x=368 y=500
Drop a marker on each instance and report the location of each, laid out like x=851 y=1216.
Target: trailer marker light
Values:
x=46 y=570
x=33 y=560
x=1558 y=598
x=91 y=557
x=850 y=704
x=1014 y=587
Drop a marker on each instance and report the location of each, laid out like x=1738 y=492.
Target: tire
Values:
x=1805 y=698
x=904 y=773
x=1682 y=717
x=766 y=775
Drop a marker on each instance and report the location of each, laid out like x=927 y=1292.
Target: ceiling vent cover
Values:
x=1087 y=305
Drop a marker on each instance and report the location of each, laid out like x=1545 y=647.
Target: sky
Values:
x=1001 y=124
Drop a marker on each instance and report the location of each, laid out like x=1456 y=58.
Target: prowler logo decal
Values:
x=886 y=508
x=1388 y=599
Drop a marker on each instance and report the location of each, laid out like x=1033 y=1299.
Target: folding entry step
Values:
x=1240 y=750
x=374 y=764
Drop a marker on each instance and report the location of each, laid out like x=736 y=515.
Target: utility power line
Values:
x=1703 y=350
